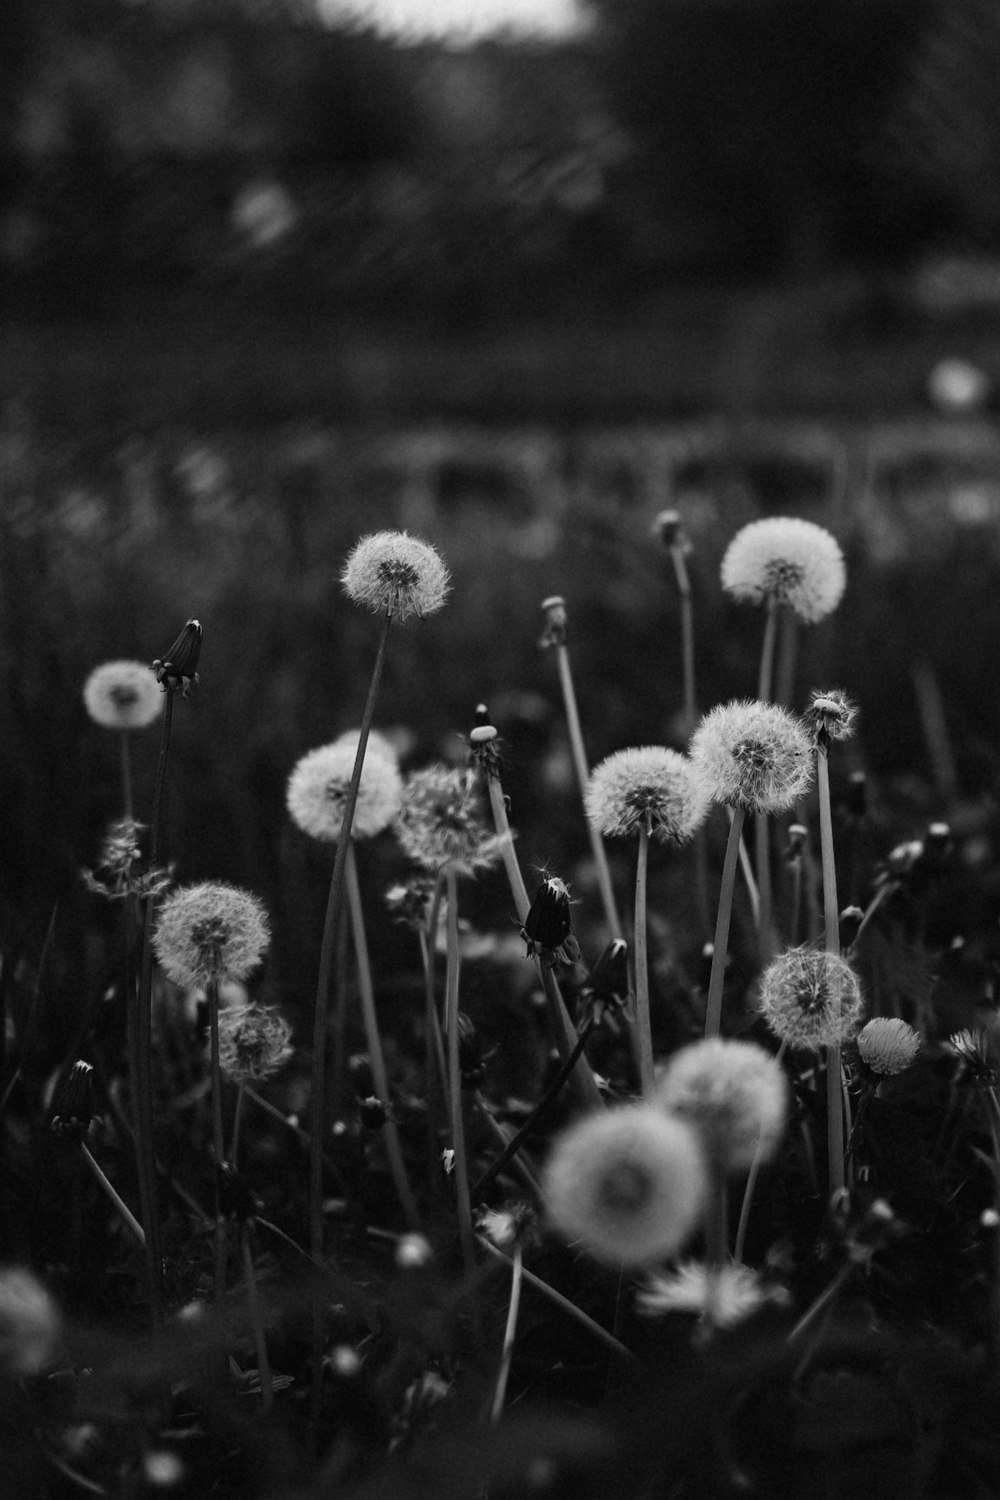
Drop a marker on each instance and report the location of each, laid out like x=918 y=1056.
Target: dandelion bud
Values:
x=798 y=838
x=317 y=791
x=392 y=572
x=668 y=527
x=810 y=998
x=752 y=755
x=787 y=560
x=630 y=1183
x=254 y=1042
x=484 y=744
x=372 y=1113
x=123 y=695
x=851 y=919
x=205 y=933
x=73 y=1103
x=177 y=671
x=554 y=610
x=606 y=987
x=651 y=788
x=547 y=925
x=733 y=1093
x=29 y=1323
x=441 y=824
x=887 y=1045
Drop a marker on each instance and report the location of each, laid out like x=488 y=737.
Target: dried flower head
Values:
x=793 y=562
x=29 y=1323
x=753 y=755
x=887 y=1045
x=630 y=1183
x=830 y=716
x=733 y=1093
x=394 y=572
x=649 y=787
x=120 y=873
x=441 y=823
x=811 y=998
x=177 y=671
x=207 y=932
x=123 y=695
x=725 y=1294
x=485 y=745
x=254 y=1042
x=319 y=784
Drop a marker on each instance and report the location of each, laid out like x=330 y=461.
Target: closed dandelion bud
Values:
x=937 y=847
x=317 y=791
x=606 y=987
x=629 y=1184
x=123 y=695
x=254 y=1042
x=753 y=755
x=547 y=926
x=29 y=1323
x=887 y=1045
x=392 y=572
x=788 y=560
x=205 y=933
x=554 y=610
x=73 y=1102
x=648 y=787
x=733 y=1093
x=177 y=671
x=810 y=998
x=830 y=716
x=440 y=824
x=851 y=919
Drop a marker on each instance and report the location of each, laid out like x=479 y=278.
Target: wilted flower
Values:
x=649 y=787
x=440 y=822
x=393 y=571
x=547 y=926
x=319 y=784
x=792 y=561
x=123 y=695
x=630 y=1183
x=178 y=669
x=254 y=1042
x=733 y=1093
x=726 y=1293
x=208 y=932
x=29 y=1323
x=810 y=998
x=887 y=1045
x=753 y=755
x=830 y=716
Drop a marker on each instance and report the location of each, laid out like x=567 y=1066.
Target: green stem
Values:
x=765 y=675
x=560 y=1301
x=643 y=1023
x=234 y=1137
x=257 y=1322
x=369 y=1016
x=831 y=923
x=583 y=777
x=713 y=1006
x=751 y=1184
x=126 y=764
x=461 y=1173
x=126 y=1213
x=687 y=636
x=218 y=1138
x=510 y=1334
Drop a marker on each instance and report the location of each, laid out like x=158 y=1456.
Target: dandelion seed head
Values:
x=318 y=786
x=395 y=572
x=163 y=1468
x=413 y=1252
x=831 y=716
x=441 y=823
x=887 y=1044
x=752 y=755
x=811 y=998
x=123 y=695
x=629 y=1183
x=648 y=787
x=254 y=1042
x=726 y=1294
x=29 y=1323
x=733 y=1093
x=792 y=561
x=208 y=932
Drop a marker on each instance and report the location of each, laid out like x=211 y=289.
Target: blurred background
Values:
x=517 y=279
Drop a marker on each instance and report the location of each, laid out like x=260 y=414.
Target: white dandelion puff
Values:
x=395 y=572
x=123 y=695
x=792 y=561
x=647 y=787
x=318 y=787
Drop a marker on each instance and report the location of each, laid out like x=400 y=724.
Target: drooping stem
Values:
x=713 y=1006
x=831 y=925
x=369 y=1017
x=510 y=1334
x=583 y=776
x=460 y=1171
x=643 y=1026
x=218 y=1138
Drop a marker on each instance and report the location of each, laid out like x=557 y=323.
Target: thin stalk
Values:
x=126 y=1213
x=257 y=1322
x=509 y=1335
x=690 y=720
x=713 y=1006
x=746 y=870
x=560 y=1301
x=218 y=1139
x=762 y=830
x=583 y=776
x=503 y=1139
x=461 y=1172
x=369 y=1016
x=765 y=675
x=125 y=755
x=234 y=1136
x=831 y=923
x=788 y=650
x=643 y=1023
x=751 y=1184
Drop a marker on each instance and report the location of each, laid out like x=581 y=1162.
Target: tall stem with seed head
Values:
x=461 y=1172
x=713 y=1007
x=831 y=924
x=643 y=1020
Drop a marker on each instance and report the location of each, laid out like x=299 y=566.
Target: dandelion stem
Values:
x=369 y=1016
x=691 y=717
x=126 y=764
x=751 y=1183
x=510 y=1334
x=560 y=1301
x=461 y=1173
x=643 y=1023
x=762 y=830
x=583 y=776
x=257 y=1322
x=126 y=1213
x=831 y=923
x=713 y=1006
x=218 y=1139
x=234 y=1137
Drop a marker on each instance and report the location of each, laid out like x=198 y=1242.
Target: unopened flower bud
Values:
x=73 y=1104
x=177 y=671
x=547 y=925
x=851 y=919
